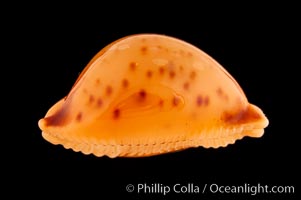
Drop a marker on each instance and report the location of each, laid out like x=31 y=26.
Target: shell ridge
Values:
x=141 y=148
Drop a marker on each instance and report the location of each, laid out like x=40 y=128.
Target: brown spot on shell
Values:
x=159 y=46
x=116 y=113
x=199 y=100
x=125 y=83
x=142 y=94
x=99 y=102
x=161 y=70
x=133 y=66
x=161 y=103
x=97 y=82
x=181 y=68
x=60 y=118
x=175 y=101
x=189 y=54
x=242 y=116
x=91 y=99
x=143 y=49
x=79 y=116
x=109 y=90
x=149 y=74
x=172 y=74
x=186 y=85
x=192 y=75
x=220 y=93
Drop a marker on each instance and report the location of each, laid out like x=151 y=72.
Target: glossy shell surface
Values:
x=149 y=94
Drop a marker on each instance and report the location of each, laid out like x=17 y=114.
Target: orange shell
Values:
x=149 y=94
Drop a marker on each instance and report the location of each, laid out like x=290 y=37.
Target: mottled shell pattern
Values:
x=150 y=94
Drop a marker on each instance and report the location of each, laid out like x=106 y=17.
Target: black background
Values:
x=49 y=47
